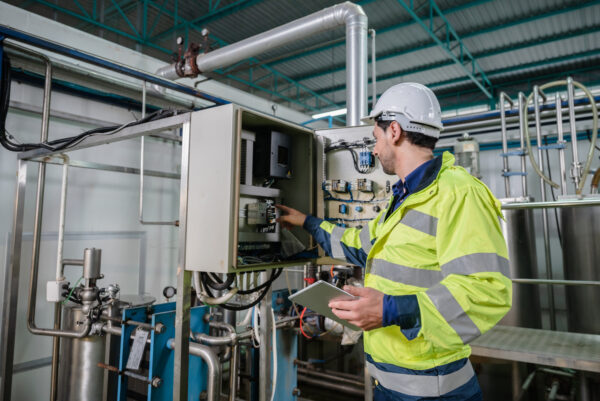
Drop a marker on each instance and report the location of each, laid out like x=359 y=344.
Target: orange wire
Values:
x=331 y=271
x=301 y=329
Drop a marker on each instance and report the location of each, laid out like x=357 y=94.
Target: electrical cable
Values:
x=265 y=286
x=71 y=292
x=330 y=197
x=301 y=328
x=350 y=146
x=62 y=143
x=250 y=291
x=216 y=283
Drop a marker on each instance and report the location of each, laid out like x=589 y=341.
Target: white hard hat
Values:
x=413 y=105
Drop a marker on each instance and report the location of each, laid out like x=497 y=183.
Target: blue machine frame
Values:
x=161 y=357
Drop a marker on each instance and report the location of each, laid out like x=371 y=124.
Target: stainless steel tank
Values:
x=501 y=380
x=519 y=234
x=79 y=377
x=581 y=258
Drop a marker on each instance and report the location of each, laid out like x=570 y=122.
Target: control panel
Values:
x=354 y=189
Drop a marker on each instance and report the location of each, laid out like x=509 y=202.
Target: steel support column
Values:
x=11 y=286
x=184 y=283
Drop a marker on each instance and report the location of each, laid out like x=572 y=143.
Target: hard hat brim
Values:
x=370 y=119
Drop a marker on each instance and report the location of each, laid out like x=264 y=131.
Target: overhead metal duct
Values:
x=347 y=13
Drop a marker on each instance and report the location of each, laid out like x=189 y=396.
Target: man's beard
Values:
x=387 y=166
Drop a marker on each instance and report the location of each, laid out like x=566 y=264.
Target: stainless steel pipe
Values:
x=330 y=376
x=373 y=68
x=522 y=112
x=551 y=205
x=350 y=14
x=489 y=120
x=212 y=362
x=576 y=166
x=537 y=93
x=561 y=141
x=343 y=388
x=504 y=97
x=61 y=218
x=556 y=282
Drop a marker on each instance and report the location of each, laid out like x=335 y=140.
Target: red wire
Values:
x=301 y=329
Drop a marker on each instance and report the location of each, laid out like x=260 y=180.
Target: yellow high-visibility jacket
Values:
x=444 y=246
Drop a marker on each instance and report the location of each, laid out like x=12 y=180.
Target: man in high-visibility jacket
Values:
x=436 y=262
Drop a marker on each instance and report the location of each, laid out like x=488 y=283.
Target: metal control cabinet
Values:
x=226 y=200
x=222 y=231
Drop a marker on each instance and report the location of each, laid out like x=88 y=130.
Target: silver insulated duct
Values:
x=347 y=13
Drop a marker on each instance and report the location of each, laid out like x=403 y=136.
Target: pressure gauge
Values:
x=169 y=292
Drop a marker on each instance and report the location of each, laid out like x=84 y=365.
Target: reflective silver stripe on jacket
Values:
x=420 y=221
x=477 y=263
x=421 y=385
x=382 y=218
x=365 y=239
x=337 y=251
x=404 y=274
x=454 y=314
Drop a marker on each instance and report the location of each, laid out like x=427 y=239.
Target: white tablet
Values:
x=316 y=297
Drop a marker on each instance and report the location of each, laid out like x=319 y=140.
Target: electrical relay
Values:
x=262 y=214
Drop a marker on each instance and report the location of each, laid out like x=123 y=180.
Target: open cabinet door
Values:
x=241 y=163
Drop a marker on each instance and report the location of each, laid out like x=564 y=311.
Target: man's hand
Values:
x=365 y=312
x=291 y=217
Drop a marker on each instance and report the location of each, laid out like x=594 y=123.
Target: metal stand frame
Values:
x=182 y=323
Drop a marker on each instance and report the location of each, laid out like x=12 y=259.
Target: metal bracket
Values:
x=519 y=152
x=552 y=146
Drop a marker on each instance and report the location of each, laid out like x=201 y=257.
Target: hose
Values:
x=595 y=181
x=588 y=162
x=208 y=299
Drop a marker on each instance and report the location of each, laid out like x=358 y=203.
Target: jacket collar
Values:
x=433 y=169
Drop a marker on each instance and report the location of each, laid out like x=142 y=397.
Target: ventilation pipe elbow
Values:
x=347 y=13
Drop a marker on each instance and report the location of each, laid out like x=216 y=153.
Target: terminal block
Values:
x=363 y=185
x=261 y=214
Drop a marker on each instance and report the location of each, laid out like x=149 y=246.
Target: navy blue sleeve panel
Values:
x=312 y=224
x=356 y=256
x=403 y=311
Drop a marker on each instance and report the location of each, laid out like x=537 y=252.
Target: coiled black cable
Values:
x=218 y=285
x=264 y=286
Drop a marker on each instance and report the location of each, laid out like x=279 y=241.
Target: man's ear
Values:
x=396 y=132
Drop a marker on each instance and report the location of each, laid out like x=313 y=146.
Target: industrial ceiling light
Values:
x=332 y=113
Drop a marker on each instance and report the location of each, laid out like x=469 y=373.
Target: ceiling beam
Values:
x=465 y=35
x=451 y=43
x=481 y=55
x=380 y=31
x=206 y=18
